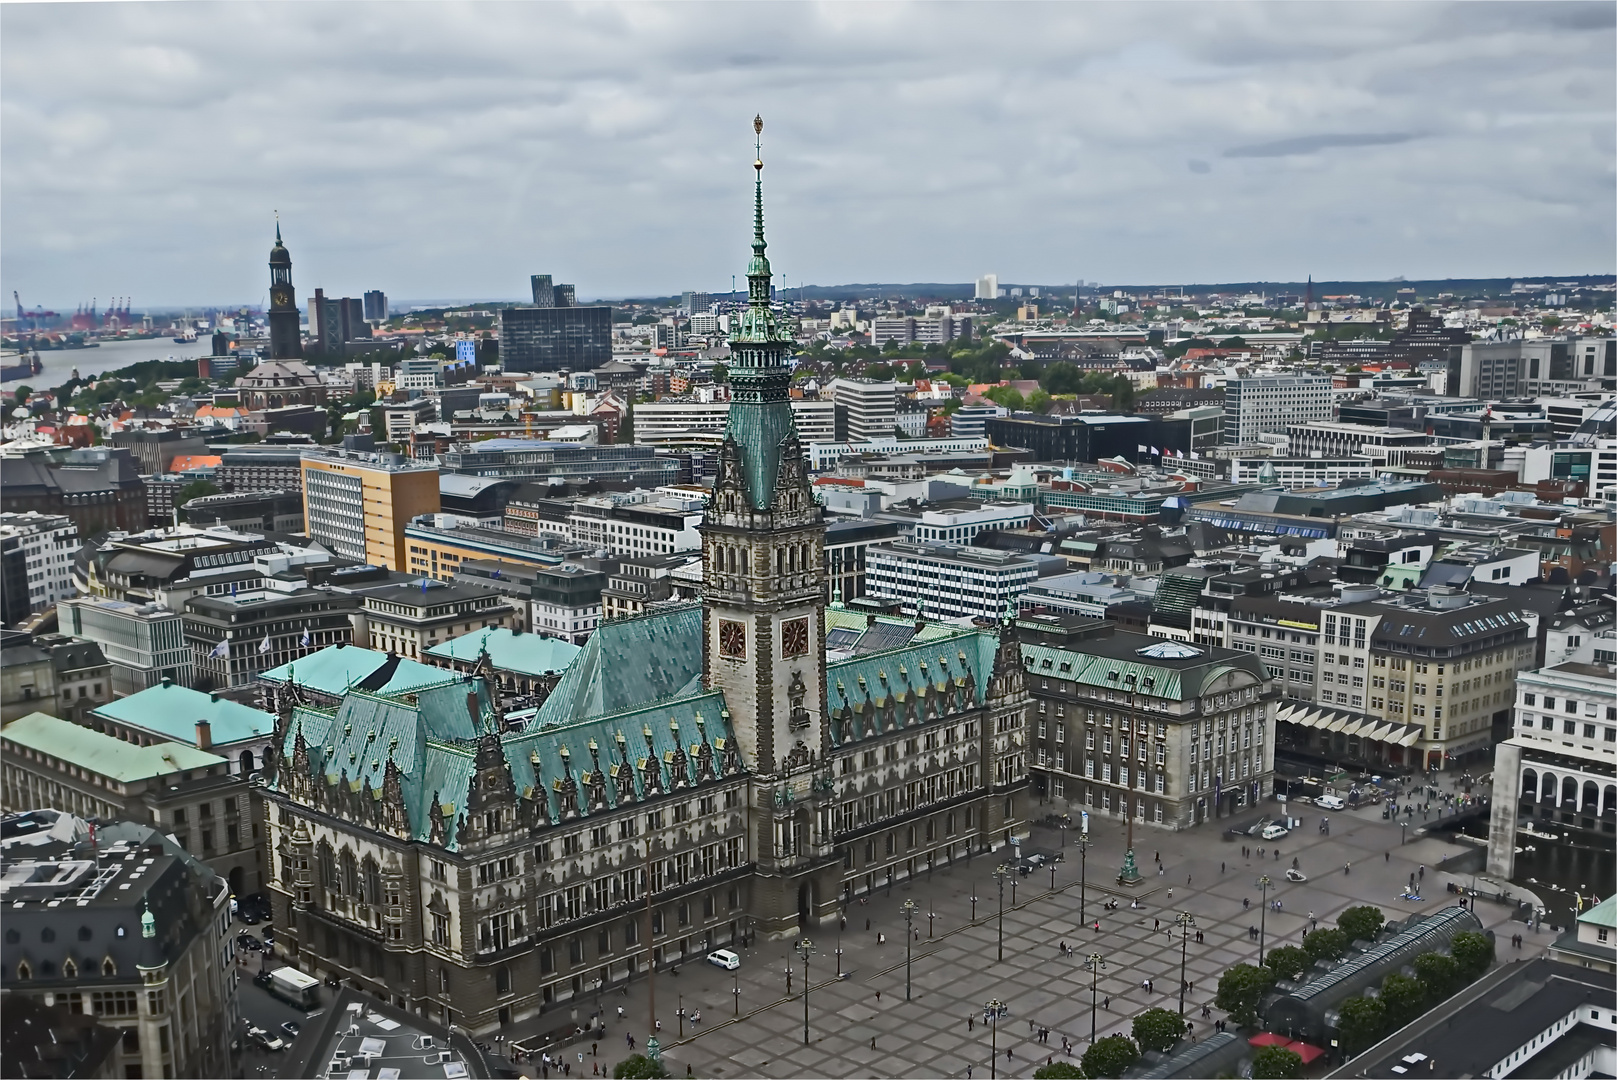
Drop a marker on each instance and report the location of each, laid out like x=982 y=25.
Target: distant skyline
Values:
x=451 y=150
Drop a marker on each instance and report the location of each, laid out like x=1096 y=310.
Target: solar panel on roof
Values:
x=884 y=636
x=841 y=638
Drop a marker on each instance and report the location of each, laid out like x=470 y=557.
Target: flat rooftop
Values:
x=359 y=1035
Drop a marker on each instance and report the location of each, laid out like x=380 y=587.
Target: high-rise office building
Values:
x=988 y=287
x=334 y=321
x=554 y=338
x=871 y=406
x=1268 y=405
x=376 y=306
x=358 y=503
x=695 y=303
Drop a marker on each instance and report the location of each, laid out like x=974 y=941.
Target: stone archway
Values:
x=807 y=905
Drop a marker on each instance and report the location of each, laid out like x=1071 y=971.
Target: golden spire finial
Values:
x=757 y=143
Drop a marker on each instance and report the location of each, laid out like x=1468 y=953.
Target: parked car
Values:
x=1330 y=802
x=1274 y=831
x=724 y=958
x=291 y=1028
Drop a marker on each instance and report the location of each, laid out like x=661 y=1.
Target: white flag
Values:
x=1141 y=449
x=1157 y=452
x=220 y=651
x=304 y=640
x=264 y=647
x=1195 y=455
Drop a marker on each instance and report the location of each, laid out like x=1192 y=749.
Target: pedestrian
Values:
x=1156 y=924
x=1423 y=872
x=1159 y=856
x=1170 y=894
x=1107 y=1004
x=1221 y=868
x=971 y=1021
x=878 y=997
x=873 y=1042
x=1389 y=855
x=595 y=1049
x=867 y=924
x=881 y=939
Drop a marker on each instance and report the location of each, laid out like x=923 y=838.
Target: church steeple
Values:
x=285 y=341
x=763 y=543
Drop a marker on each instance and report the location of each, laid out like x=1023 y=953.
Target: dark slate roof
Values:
x=1121 y=655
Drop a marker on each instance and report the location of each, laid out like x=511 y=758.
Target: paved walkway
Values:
x=955 y=969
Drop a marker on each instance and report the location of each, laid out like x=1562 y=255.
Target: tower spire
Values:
x=277 y=226
x=758 y=244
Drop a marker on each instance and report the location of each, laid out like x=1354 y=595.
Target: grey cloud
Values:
x=1310 y=144
x=451 y=149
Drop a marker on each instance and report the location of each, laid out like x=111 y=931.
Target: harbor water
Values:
x=106 y=357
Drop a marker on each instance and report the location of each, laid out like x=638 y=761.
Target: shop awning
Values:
x=1356 y=724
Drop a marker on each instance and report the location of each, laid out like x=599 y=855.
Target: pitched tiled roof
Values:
x=173 y=711
x=942 y=669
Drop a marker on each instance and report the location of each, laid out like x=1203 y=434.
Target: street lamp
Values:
x=1263 y=916
x=974 y=901
x=680 y=1012
x=999 y=876
x=1083 y=872
x=992 y=1011
x=1403 y=833
x=1066 y=823
x=735 y=990
x=909 y=936
x=1185 y=920
x=839 y=952
x=929 y=917
x=805 y=949
x=1094 y=963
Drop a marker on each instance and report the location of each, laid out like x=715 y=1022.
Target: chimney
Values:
x=204 y=735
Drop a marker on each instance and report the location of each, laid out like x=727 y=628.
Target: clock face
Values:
x=794 y=637
x=732 y=639
x=281 y=299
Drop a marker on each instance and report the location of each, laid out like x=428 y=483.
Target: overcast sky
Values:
x=449 y=151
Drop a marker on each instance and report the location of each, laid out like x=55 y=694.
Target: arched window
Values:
x=108 y=968
x=326 y=862
x=350 y=873
x=70 y=970
x=373 y=882
x=24 y=971
x=248 y=767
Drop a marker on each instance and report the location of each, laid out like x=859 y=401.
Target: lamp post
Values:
x=839 y=953
x=992 y=1011
x=1263 y=916
x=1094 y=963
x=1185 y=920
x=929 y=917
x=974 y=901
x=1013 y=886
x=735 y=990
x=805 y=949
x=999 y=877
x=680 y=1013
x=1083 y=873
x=909 y=936
x=1403 y=833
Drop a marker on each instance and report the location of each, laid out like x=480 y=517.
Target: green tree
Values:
x=1062 y=378
x=1039 y=401
x=1361 y=923
x=721 y=373
x=1233 y=343
x=1240 y=989
x=1440 y=973
x=639 y=1067
x=1007 y=396
x=1402 y=999
x=1325 y=944
x=1059 y=1070
x=1110 y=1056
x=1276 y=1063
x=1359 y=1023
x=1158 y=1029
x=22 y=392
x=1288 y=962
x=1473 y=952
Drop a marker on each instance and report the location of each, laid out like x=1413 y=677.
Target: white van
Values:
x=1330 y=802
x=724 y=958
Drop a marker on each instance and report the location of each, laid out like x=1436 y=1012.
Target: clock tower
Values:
x=763 y=549
x=285 y=340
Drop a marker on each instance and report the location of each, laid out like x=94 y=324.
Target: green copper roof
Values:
x=338 y=668
x=935 y=674
x=526 y=654
x=173 y=711
x=628 y=663
x=1602 y=914
x=105 y=755
x=763 y=431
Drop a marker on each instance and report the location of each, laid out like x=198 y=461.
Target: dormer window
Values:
x=108 y=968
x=24 y=972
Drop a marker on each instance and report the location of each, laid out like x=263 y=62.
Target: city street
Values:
x=861 y=1025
